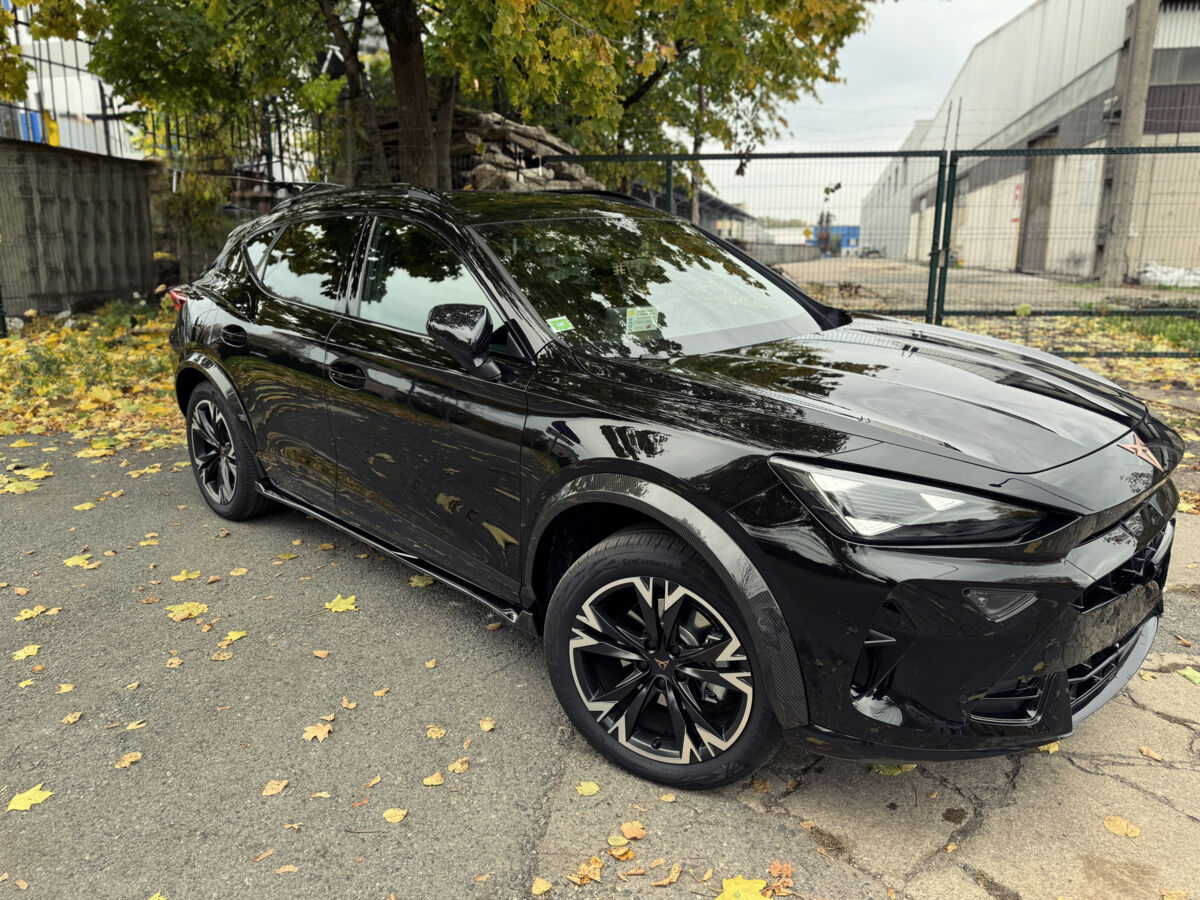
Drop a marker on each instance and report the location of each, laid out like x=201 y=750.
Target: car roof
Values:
x=472 y=207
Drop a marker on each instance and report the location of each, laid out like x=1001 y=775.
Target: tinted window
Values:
x=257 y=246
x=410 y=271
x=626 y=286
x=308 y=260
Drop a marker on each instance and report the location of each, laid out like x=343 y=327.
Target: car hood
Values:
x=994 y=403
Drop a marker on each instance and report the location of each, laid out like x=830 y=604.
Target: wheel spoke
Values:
x=627 y=720
x=225 y=488
x=616 y=633
x=602 y=647
x=645 y=588
x=705 y=653
x=715 y=677
x=622 y=689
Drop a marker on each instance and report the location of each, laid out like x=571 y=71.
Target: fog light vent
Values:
x=999 y=604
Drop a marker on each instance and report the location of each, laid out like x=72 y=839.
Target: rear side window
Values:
x=410 y=271
x=309 y=260
x=256 y=248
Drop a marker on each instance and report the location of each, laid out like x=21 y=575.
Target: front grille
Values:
x=1014 y=702
x=1088 y=678
x=1134 y=572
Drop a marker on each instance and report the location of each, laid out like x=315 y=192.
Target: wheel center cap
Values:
x=662 y=664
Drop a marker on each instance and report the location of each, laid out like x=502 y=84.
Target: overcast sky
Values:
x=897 y=70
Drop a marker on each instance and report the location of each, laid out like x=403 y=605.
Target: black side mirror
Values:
x=464 y=330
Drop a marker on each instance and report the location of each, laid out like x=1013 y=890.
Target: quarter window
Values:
x=410 y=271
x=256 y=248
x=308 y=260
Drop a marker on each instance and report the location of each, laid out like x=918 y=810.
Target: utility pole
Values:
x=1120 y=171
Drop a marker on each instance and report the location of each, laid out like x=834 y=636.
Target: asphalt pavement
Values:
x=189 y=818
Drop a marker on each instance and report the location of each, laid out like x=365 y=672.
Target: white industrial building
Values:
x=1061 y=74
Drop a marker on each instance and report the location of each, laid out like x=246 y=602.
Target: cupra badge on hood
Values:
x=1139 y=449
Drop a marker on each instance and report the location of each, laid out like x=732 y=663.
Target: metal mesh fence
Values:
x=1082 y=252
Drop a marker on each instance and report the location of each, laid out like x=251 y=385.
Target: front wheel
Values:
x=652 y=663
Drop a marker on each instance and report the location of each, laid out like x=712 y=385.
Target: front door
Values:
x=428 y=455
x=277 y=356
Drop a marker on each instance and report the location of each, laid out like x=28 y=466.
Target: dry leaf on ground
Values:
x=420 y=581
x=380 y=692
x=459 y=765
x=342 y=604
x=487 y=723
x=71 y=718
x=435 y=731
x=433 y=780
x=274 y=786
x=540 y=886
x=320 y=654
x=1121 y=825
x=128 y=760
x=634 y=831
x=263 y=855
x=319 y=731
x=394 y=815
x=31 y=797
x=673 y=876
x=587 y=788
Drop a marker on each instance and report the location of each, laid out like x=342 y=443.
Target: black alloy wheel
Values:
x=222 y=457
x=649 y=658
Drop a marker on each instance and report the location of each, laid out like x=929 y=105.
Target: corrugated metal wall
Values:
x=74 y=228
x=1178 y=25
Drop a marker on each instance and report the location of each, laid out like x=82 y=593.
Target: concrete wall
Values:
x=1165 y=224
x=776 y=254
x=74 y=228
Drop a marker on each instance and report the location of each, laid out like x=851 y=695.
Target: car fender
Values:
x=746 y=586
x=212 y=372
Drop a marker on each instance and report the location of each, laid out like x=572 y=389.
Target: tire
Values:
x=641 y=707
x=222 y=457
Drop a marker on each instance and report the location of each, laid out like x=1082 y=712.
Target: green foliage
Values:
x=13 y=69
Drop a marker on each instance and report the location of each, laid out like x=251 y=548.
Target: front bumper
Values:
x=899 y=666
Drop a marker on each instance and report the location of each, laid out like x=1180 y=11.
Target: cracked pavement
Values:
x=189 y=818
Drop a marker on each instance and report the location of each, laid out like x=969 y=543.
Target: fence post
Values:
x=935 y=243
x=670 y=185
x=947 y=220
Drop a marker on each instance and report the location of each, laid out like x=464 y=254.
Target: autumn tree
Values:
x=619 y=75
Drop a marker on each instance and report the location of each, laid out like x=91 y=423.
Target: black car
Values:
x=728 y=508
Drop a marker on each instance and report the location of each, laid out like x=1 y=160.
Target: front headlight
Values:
x=885 y=509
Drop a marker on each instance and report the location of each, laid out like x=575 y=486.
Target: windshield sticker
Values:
x=560 y=323
x=636 y=319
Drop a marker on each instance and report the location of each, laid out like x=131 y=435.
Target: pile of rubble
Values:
x=491 y=153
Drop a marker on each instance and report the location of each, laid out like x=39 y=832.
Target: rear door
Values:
x=277 y=356
x=428 y=455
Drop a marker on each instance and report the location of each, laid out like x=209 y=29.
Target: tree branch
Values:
x=647 y=83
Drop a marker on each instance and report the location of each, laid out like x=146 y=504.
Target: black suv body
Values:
x=895 y=541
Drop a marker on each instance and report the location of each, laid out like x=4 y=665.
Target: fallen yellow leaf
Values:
x=1120 y=825
x=394 y=815
x=1052 y=747
x=374 y=781
x=65 y=688
x=380 y=692
x=27 y=651
x=320 y=732
x=667 y=798
x=134 y=726
x=459 y=765
x=433 y=780
x=347 y=704
x=1147 y=752
x=31 y=797
x=127 y=760
x=587 y=788
x=435 y=731
x=181 y=611
x=132 y=686
x=429 y=664
x=240 y=570
x=738 y=888
x=677 y=869
x=487 y=723
x=185 y=575
x=419 y=581
x=540 y=886
x=324 y=794
x=342 y=604
x=635 y=831
x=222 y=655
x=283 y=870
x=71 y=718
x=320 y=654
x=27 y=614
x=274 y=786
x=79 y=560
x=84 y=507
x=263 y=855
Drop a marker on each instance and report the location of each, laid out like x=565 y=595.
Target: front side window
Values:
x=621 y=285
x=308 y=261
x=410 y=271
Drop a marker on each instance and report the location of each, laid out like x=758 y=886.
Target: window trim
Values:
x=343 y=302
x=354 y=308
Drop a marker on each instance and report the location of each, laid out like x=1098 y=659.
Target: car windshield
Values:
x=625 y=286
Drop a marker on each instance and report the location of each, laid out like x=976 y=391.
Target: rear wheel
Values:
x=222 y=458
x=652 y=662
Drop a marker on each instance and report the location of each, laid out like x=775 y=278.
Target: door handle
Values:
x=347 y=374
x=233 y=336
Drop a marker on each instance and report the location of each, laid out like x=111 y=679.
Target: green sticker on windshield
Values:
x=560 y=323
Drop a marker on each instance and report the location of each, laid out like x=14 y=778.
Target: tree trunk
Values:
x=447 y=93
x=366 y=160
x=402 y=28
